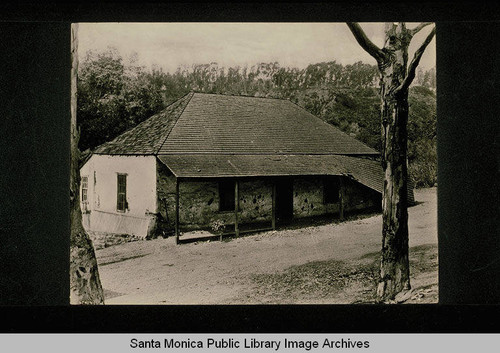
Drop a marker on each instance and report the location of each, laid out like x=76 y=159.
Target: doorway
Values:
x=284 y=199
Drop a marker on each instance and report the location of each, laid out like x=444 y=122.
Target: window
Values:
x=226 y=196
x=85 y=188
x=121 y=203
x=331 y=190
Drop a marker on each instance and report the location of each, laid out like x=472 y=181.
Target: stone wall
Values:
x=360 y=197
x=199 y=200
x=308 y=197
x=256 y=200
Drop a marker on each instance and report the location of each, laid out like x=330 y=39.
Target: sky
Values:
x=170 y=45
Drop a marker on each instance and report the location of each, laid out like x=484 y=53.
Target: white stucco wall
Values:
x=102 y=171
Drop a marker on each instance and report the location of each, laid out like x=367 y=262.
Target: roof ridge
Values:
x=178 y=117
x=347 y=154
x=239 y=95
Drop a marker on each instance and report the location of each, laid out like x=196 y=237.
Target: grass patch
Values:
x=423 y=258
x=335 y=281
x=313 y=280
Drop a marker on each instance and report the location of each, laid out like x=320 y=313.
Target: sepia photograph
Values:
x=253 y=163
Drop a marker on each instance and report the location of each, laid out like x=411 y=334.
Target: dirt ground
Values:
x=334 y=263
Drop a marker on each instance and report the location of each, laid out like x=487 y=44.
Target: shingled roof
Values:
x=212 y=123
x=366 y=171
x=148 y=136
x=210 y=135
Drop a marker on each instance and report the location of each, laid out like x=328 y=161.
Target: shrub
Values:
x=218 y=226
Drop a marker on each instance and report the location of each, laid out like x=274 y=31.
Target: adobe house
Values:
x=248 y=162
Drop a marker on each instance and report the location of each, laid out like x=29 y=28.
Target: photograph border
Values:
x=35 y=175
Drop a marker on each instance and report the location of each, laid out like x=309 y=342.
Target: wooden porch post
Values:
x=341 y=197
x=273 y=216
x=176 y=210
x=236 y=206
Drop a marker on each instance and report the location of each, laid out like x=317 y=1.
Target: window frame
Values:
x=85 y=190
x=121 y=195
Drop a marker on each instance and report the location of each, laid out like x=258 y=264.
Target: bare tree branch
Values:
x=414 y=63
x=365 y=42
x=419 y=27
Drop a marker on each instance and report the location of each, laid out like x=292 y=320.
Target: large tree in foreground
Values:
x=85 y=285
x=396 y=75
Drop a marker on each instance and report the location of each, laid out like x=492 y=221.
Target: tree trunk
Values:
x=395 y=79
x=85 y=285
x=394 y=267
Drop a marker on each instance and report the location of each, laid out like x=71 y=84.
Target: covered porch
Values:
x=241 y=194
x=279 y=199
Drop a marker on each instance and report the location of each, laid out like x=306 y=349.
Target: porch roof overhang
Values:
x=366 y=171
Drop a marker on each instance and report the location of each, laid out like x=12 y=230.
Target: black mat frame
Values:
x=34 y=162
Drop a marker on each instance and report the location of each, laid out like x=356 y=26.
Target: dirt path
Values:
x=249 y=269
